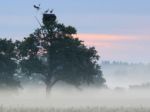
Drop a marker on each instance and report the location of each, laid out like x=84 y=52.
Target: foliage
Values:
x=8 y=65
x=53 y=52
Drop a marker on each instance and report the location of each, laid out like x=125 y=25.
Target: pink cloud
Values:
x=105 y=37
x=119 y=47
x=102 y=40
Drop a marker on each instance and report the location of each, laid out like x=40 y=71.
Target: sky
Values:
x=119 y=29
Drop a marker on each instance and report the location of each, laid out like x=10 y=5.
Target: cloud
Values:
x=131 y=48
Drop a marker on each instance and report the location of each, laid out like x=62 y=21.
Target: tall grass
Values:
x=84 y=109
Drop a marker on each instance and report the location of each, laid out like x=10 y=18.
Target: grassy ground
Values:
x=87 y=109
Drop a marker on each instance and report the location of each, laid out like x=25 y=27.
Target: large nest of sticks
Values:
x=49 y=18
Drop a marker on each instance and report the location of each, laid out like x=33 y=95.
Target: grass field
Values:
x=85 y=109
x=78 y=101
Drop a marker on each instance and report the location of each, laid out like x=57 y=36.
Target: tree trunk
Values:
x=48 y=89
x=49 y=86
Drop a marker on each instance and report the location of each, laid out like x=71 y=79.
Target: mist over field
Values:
x=126 y=75
x=127 y=90
x=67 y=96
x=126 y=86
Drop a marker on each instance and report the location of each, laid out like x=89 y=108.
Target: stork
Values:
x=37 y=7
x=46 y=11
x=51 y=11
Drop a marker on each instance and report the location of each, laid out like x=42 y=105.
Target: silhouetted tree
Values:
x=8 y=65
x=53 y=52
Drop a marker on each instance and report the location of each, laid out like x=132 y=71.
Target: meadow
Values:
x=70 y=100
x=71 y=109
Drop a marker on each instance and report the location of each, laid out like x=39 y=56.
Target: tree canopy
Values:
x=57 y=55
x=53 y=52
x=8 y=65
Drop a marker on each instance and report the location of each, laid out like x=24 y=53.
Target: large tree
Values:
x=8 y=65
x=53 y=52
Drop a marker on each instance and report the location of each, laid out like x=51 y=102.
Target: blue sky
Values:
x=123 y=18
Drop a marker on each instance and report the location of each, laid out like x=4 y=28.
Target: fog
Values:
x=121 y=74
x=67 y=96
x=128 y=85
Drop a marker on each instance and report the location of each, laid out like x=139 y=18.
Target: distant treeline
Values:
x=126 y=74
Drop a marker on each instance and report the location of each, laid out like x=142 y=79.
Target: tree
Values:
x=8 y=65
x=53 y=52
